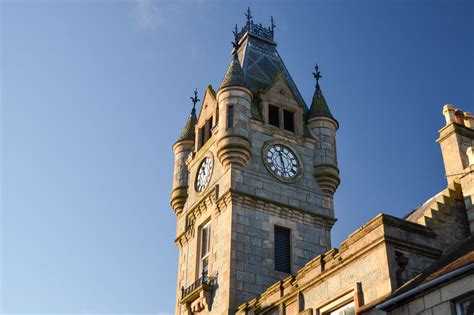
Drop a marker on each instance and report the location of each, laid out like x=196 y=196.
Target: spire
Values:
x=234 y=75
x=319 y=107
x=188 y=132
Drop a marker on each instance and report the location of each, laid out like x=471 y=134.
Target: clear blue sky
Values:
x=94 y=94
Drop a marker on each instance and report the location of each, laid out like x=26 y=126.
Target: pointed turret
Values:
x=188 y=132
x=182 y=148
x=234 y=98
x=234 y=75
x=323 y=127
x=319 y=107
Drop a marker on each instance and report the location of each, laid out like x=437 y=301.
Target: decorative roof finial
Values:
x=235 y=43
x=317 y=75
x=249 y=16
x=195 y=99
x=273 y=24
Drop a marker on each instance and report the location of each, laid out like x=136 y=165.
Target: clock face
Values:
x=281 y=162
x=204 y=174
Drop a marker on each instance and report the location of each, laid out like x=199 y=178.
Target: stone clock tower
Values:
x=254 y=177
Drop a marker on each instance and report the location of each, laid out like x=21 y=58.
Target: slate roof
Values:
x=234 y=75
x=188 y=132
x=319 y=107
x=261 y=64
x=460 y=256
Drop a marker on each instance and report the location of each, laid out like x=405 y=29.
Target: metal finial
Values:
x=235 y=43
x=317 y=75
x=248 y=15
x=195 y=99
x=273 y=24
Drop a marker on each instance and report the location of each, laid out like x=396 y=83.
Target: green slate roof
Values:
x=319 y=107
x=261 y=65
x=188 y=130
x=234 y=75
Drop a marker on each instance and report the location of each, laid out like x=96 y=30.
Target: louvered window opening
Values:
x=282 y=249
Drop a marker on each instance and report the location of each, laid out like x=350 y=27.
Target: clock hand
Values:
x=281 y=160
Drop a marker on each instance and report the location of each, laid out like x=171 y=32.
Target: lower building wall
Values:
x=370 y=270
x=441 y=301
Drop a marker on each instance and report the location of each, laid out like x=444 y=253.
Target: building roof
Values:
x=188 y=132
x=261 y=65
x=319 y=106
x=459 y=257
x=234 y=75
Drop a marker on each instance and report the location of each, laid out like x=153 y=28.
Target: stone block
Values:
x=416 y=306
x=445 y=308
x=432 y=298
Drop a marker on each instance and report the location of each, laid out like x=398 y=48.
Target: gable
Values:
x=208 y=107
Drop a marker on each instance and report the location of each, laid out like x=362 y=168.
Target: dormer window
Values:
x=205 y=133
x=274 y=115
x=288 y=120
x=281 y=118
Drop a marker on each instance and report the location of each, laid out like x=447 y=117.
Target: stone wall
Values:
x=440 y=301
x=362 y=270
x=253 y=266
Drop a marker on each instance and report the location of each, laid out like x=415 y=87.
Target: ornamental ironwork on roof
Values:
x=257 y=29
x=319 y=107
x=188 y=132
x=260 y=62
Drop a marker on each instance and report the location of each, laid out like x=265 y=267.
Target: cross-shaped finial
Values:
x=195 y=99
x=273 y=23
x=317 y=75
x=248 y=15
x=235 y=43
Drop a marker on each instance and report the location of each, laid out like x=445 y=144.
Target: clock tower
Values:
x=254 y=177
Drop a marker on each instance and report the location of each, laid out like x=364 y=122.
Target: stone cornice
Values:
x=454 y=127
x=280 y=209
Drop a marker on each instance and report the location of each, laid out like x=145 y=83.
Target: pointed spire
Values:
x=188 y=132
x=319 y=107
x=234 y=75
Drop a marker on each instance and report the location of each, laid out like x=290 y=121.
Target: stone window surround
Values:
x=464 y=298
x=297 y=118
x=202 y=227
x=341 y=300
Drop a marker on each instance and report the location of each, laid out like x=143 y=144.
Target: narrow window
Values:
x=274 y=115
x=230 y=117
x=204 y=239
x=201 y=137
x=288 y=121
x=282 y=249
x=209 y=128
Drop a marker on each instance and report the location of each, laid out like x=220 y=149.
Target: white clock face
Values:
x=204 y=174
x=281 y=161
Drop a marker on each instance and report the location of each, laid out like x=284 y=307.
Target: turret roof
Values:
x=319 y=107
x=188 y=132
x=234 y=75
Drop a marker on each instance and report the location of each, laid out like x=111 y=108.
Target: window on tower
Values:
x=282 y=249
x=204 y=248
x=274 y=115
x=230 y=117
x=288 y=121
